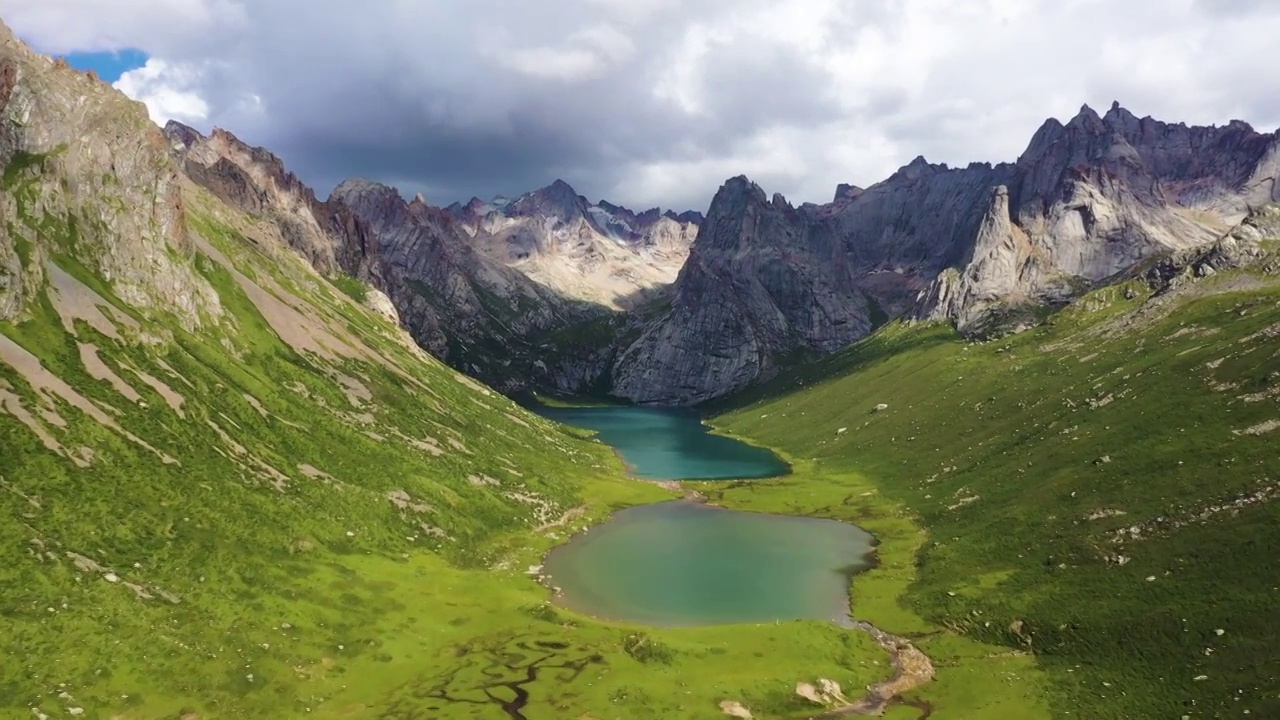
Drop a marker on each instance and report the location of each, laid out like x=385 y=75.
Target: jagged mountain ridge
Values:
x=596 y=252
x=466 y=309
x=766 y=283
x=1086 y=201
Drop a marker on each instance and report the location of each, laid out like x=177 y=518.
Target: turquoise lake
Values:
x=684 y=563
x=671 y=444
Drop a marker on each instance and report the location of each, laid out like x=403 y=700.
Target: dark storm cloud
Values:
x=657 y=101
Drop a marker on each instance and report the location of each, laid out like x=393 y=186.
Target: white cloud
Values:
x=657 y=101
x=170 y=92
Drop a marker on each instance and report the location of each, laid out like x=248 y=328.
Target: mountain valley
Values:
x=264 y=454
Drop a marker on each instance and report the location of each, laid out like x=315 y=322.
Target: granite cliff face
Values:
x=1094 y=197
x=980 y=246
x=599 y=253
x=549 y=290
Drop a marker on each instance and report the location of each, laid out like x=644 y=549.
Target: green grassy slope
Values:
x=289 y=511
x=1100 y=491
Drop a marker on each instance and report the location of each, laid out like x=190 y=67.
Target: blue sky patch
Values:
x=109 y=65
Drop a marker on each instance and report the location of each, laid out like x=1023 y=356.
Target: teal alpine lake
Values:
x=683 y=563
x=671 y=444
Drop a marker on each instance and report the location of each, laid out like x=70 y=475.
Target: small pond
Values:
x=683 y=563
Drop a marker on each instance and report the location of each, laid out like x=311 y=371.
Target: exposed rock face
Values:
x=1087 y=201
x=1242 y=247
x=474 y=313
x=762 y=281
x=477 y=314
x=1099 y=195
x=254 y=180
x=113 y=196
x=599 y=253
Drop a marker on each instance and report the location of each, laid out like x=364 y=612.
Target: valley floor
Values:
x=287 y=510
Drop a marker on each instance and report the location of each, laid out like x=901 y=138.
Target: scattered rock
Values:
x=881 y=407
x=809 y=692
x=1260 y=429
x=733 y=708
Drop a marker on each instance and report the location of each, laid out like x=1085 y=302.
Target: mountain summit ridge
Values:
x=1085 y=201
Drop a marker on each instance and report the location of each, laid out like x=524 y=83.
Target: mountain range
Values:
x=237 y=479
x=985 y=247
x=550 y=292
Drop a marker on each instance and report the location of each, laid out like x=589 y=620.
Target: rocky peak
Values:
x=1156 y=161
x=558 y=200
x=183 y=136
x=845 y=191
x=1118 y=116
x=378 y=204
x=652 y=215
x=693 y=217
x=1088 y=119
x=916 y=169
x=93 y=161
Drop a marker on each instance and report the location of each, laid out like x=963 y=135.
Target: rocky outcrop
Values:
x=1242 y=247
x=1087 y=201
x=763 y=281
x=111 y=197
x=1099 y=195
x=254 y=180
x=480 y=316
x=599 y=253
x=464 y=308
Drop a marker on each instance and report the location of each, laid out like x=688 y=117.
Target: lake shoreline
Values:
x=912 y=668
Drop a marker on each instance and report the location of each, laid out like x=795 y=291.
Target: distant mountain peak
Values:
x=846 y=191
x=184 y=134
x=558 y=200
x=1087 y=118
x=917 y=168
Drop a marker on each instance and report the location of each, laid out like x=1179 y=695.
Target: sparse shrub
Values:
x=645 y=649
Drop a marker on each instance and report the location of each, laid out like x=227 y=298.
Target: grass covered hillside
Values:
x=1099 y=493
x=228 y=489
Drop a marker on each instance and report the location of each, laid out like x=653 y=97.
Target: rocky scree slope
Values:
x=984 y=246
x=218 y=468
x=600 y=253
